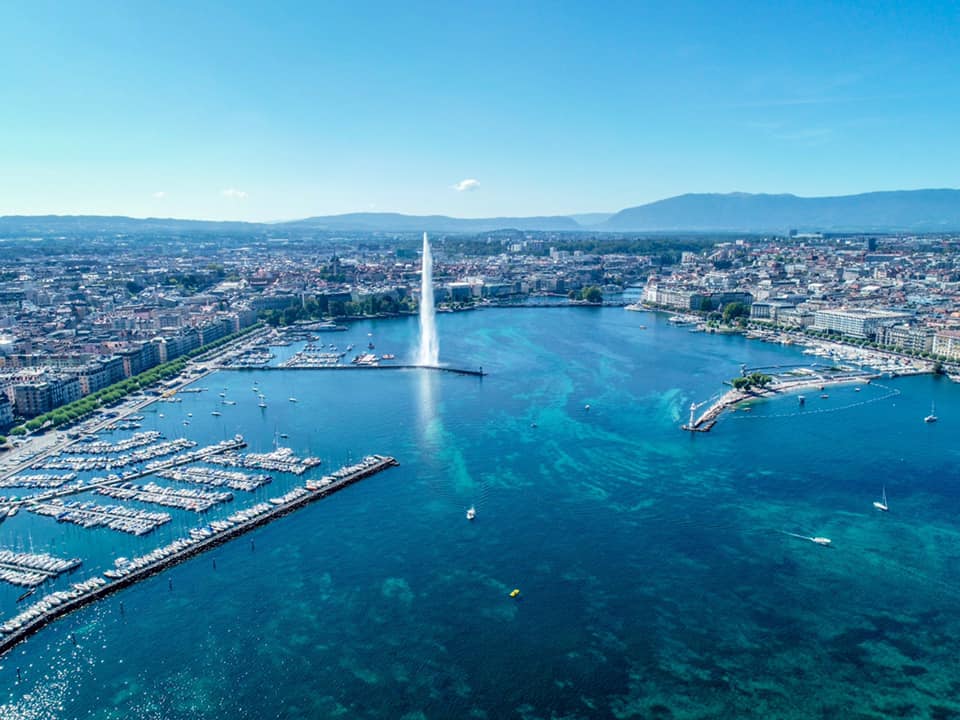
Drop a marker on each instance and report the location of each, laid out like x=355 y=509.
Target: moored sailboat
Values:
x=882 y=503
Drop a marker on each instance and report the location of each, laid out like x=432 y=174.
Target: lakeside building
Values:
x=6 y=413
x=947 y=344
x=36 y=398
x=684 y=299
x=769 y=310
x=907 y=337
x=856 y=322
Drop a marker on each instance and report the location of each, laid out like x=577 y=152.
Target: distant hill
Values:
x=590 y=220
x=896 y=210
x=67 y=224
x=909 y=210
x=395 y=222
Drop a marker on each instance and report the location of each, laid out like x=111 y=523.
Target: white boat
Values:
x=261 y=404
x=932 y=417
x=292 y=399
x=471 y=513
x=634 y=307
x=12 y=511
x=818 y=539
x=882 y=504
x=216 y=413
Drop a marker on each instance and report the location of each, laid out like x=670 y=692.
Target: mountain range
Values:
x=896 y=210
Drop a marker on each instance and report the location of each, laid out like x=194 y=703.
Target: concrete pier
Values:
x=439 y=368
x=200 y=546
x=708 y=418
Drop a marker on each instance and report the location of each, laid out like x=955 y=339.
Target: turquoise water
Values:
x=656 y=579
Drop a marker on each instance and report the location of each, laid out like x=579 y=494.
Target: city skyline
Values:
x=272 y=114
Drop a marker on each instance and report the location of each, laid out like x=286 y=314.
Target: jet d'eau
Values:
x=429 y=352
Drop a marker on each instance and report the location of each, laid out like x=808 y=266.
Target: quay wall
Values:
x=440 y=368
x=9 y=641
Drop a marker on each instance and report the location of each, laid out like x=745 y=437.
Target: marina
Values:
x=90 y=446
x=30 y=570
x=153 y=467
x=57 y=604
x=279 y=460
x=111 y=462
x=313 y=355
x=38 y=480
x=216 y=478
x=90 y=515
x=183 y=498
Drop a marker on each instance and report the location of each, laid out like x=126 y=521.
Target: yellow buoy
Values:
x=514 y=592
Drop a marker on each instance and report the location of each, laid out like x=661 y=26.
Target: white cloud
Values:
x=467 y=185
x=160 y=194
x=234 y=193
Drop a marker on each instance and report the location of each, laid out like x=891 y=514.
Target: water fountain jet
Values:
x=429 y=352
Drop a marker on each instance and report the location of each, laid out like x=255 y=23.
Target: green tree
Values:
x=734 y=310
x=592 y=294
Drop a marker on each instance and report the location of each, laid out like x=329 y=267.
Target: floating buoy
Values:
x=515 y=592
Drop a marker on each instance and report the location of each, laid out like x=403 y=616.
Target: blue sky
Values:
x=267 y=111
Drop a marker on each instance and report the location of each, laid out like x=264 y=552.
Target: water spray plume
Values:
x=429 y=353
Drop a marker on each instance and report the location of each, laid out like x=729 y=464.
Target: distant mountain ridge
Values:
x=27 y=224
x=909 y=210
x=895 y=210
x=397 y=222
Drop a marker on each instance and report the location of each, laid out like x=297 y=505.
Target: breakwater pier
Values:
x=478 y=372
x=706 y=421
x=786 y=379
x=60 y=603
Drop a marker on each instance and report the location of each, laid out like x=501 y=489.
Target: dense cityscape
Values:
x=73 y=325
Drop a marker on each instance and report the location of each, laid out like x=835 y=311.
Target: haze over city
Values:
x=254 y=112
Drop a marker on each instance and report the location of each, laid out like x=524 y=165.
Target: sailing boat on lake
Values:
x=882 y=503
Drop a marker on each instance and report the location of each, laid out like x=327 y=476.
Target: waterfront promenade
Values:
x=93 y=591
